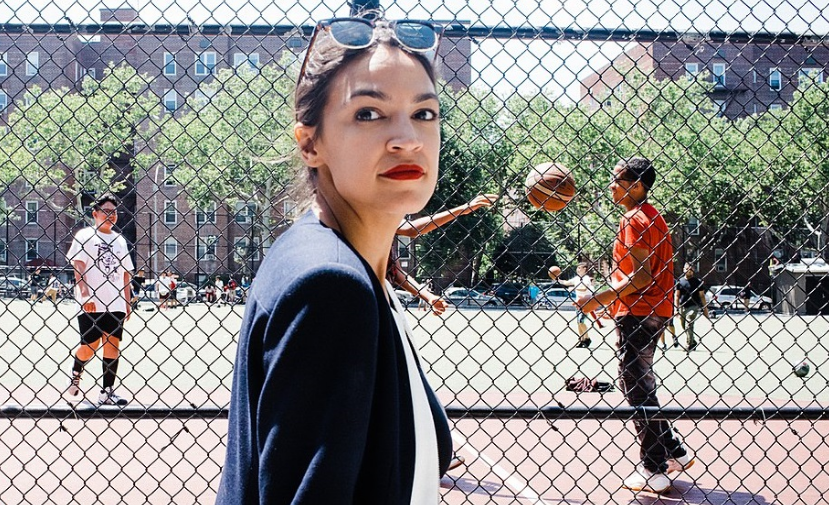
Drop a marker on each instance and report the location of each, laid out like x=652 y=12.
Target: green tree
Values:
x=68 y=139
x=234 y=143
x=473 y=156
x=525 y=253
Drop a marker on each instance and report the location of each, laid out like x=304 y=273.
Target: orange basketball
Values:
x=550 y=186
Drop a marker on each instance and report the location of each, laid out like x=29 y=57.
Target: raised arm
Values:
x=424 y=225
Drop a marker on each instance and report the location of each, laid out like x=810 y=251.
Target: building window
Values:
x=205 y=63
x=170 y=100
x=775 y=79
x=169 y=175
x=245 y=212
x=720 y=260
x=4 y=66
x=199 y=99
x=718 y=75
x=403 y=247
x=32 y=63
x=170 y=248
x=721 y=106
x=90 y=72
x=169 y=64
x=31 y=212
x=808 y=76
x=691 y=70
x=242 y=247
x=206 y=215
x=775 y=107
x=32 y=249
x=4 y=100
x=206 y=248
x=693 y=226
x=692 y=258
x=250 y=60
x=170 y=212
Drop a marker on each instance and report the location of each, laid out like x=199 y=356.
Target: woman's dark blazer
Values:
x=321 y=408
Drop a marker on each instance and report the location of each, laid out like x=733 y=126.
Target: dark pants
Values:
x=637 y=341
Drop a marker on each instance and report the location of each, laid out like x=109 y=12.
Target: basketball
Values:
x=550 y=186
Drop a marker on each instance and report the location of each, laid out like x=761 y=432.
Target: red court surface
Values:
x=584 y=462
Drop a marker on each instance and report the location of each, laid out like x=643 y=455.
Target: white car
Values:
x=727 y=297
x=405 y=297
x=464 y=297
x=557 y=298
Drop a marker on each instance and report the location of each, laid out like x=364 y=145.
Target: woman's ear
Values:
x=304 y=136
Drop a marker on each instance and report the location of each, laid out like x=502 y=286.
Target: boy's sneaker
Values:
x=74 y=389
x=645 y=480
x=681 y=463
x=108 y=397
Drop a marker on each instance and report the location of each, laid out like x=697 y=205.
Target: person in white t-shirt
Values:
x=582 y=284
x=103 y=270
x=164 y=287
x=220 y=290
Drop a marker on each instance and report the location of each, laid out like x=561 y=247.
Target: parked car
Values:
x=557 y=298
x=511 y=293
x=405 y=297
x=464 y=297
x=185 y=293
x=727 y=297
x=13 y=287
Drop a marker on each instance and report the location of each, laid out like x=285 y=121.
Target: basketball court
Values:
x=182 y=358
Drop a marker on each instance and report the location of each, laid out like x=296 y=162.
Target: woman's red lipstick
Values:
x=404 y=172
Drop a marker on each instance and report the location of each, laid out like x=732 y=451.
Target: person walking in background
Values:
x=137 y=286
x=690 y=298
x=103 y=268
x=36 y=286
x=745 y=297
x=52 y=288
x=220 y=290
x=582 y=284
x=642 y=282
x=230 y=289
x=329 y=402
x=162 y=287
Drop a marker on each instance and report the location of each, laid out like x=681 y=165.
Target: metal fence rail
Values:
x=186 y=115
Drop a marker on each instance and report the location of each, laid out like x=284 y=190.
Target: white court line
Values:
x=523 y=491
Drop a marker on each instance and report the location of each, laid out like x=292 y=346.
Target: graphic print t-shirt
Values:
x=106 y=258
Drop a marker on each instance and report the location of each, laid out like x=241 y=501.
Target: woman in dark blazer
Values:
x=329 y=403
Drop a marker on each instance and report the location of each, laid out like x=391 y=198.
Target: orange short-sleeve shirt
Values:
x=645 y=228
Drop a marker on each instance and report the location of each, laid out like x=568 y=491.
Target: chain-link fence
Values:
x=185 y=113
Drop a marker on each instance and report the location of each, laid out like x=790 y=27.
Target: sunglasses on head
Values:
x=359 y=33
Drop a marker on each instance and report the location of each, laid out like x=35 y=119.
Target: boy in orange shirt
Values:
x=639 y=297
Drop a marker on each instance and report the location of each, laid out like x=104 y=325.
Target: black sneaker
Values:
x=693 y=346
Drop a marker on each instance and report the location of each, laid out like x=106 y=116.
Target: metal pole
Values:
x=198 y=256
x=153 y=229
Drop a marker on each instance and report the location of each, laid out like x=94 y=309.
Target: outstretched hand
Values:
x=485 y=200
x=439 y=306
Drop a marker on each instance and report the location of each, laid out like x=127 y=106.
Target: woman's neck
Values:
x=372 y=236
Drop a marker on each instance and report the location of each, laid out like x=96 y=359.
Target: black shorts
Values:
x=93 y=325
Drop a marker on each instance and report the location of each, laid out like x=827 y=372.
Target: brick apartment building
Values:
x=166 y=231
x=749 y=78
